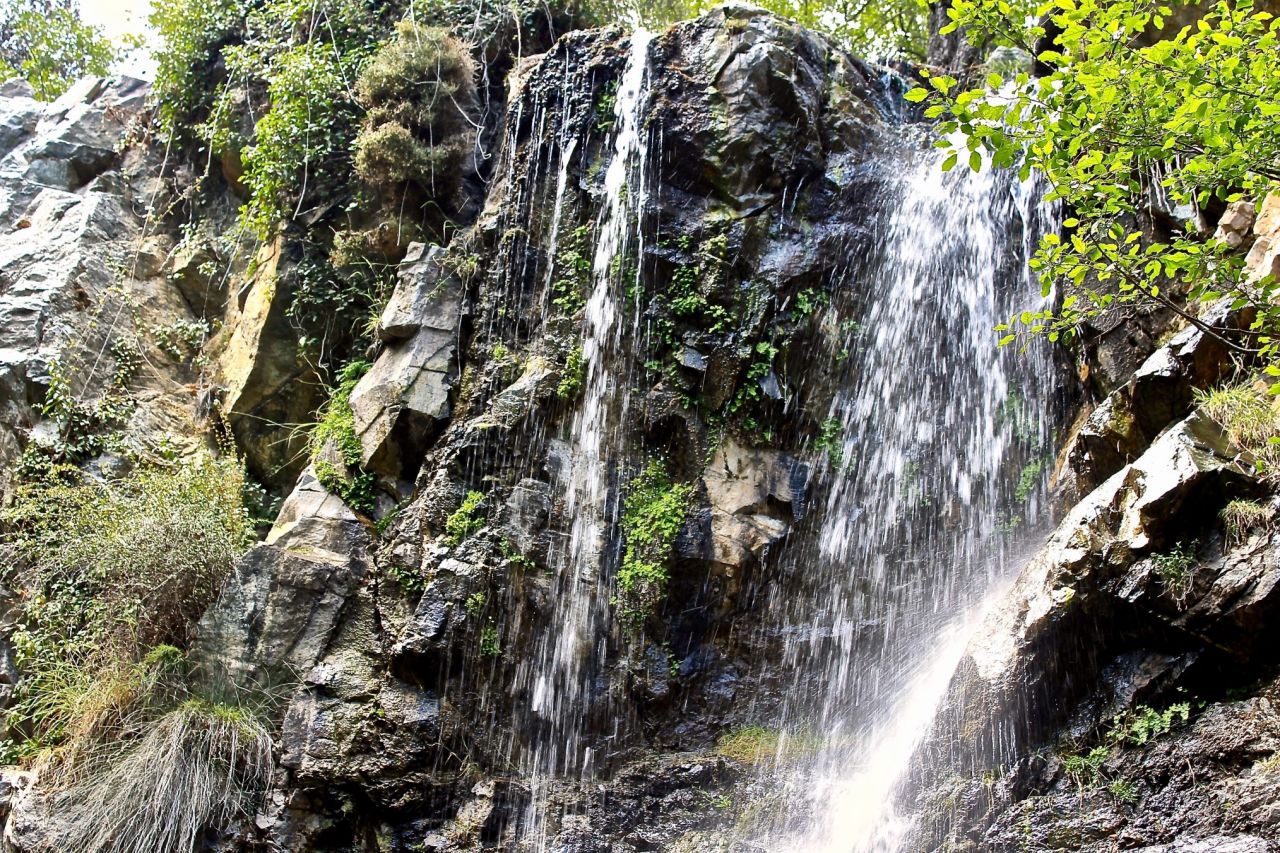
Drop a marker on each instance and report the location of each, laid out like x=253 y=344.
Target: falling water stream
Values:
x=933 y=489
x=570 y=656
x=935 y=486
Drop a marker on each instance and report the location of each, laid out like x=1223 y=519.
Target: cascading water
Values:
x=571 y=654
x=935 y=482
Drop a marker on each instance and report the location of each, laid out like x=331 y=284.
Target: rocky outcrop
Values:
x=79 y=302
x=401 y=403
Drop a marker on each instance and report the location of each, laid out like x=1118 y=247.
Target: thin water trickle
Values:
x=929 y=500
x=572 y=652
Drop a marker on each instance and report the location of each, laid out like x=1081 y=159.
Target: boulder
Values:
x=287 y=597
x=401 y=402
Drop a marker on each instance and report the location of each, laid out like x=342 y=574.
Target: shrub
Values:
x=1086 y=769
x=466 y=520
x=191 y=33
x=130 y=562
x=573 y=376
x=46 y=43
x=337 y=428
x=652 y=515
x=418 y=89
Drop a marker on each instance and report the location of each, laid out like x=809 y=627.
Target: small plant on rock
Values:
x=1086 y=769
x=1144 y=724
x=652 y=515
x=336 y=429
x=1175 y=569
x=466 y=520
x=1241 y=516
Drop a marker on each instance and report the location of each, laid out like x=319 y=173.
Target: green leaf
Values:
x=916 y=95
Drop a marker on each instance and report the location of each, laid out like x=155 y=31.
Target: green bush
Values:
x=653 y=513
x=418 y=90
x=337 y=427
x=1175 y=569
x=191 y=33
x=46 y=43
x=108 y=570
x=1144 y=723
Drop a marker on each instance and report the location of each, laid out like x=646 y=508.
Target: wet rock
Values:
x=755 y=496
x=1159 y=392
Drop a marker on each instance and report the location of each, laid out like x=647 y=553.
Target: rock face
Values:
x=404 y=399
x=403 y=655
x=78 y=305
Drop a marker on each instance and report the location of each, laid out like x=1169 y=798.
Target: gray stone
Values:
x=399 y=404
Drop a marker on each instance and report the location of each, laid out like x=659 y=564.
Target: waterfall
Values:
x=936 y=482
x=572 y=651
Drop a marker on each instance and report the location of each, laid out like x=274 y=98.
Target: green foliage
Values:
x=1252 y=421
x=1143 y=724
x=652 y=515
x=572 y=272
x=1241 y=516
x=110 y=569
x=337 y=428
x=181 y=338
x=191 y=32
x=831 y=440
x=1028 y=480
x=467 y=519
x=1124 y=791
x=490 y=645
x=304 y=135
x=1087 y=769
x=1174 y=568
x=756 y=744
x=47 y=44
x=1196 y=112
x=573 y=376
x=474 y=604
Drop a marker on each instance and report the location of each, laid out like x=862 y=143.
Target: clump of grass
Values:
x=749 y=744
x=756 y=744
x=1241 y=516
x=1251 y=419
x=196 y=767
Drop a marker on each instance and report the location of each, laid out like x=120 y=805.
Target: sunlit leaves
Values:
x=1120 y=119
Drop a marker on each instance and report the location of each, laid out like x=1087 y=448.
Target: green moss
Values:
x=466 y=520
x=652 y=515
x=337 y=425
